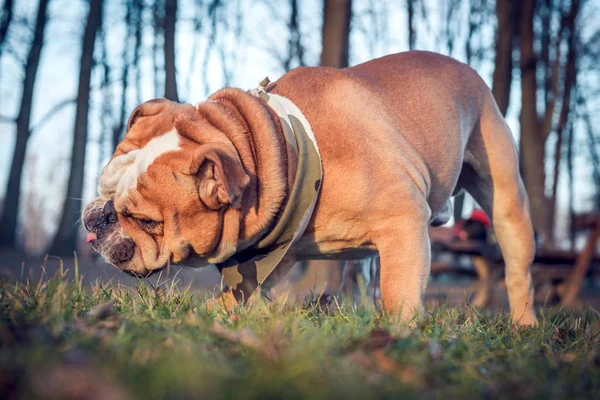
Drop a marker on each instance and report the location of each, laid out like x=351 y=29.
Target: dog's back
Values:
x=427 y=104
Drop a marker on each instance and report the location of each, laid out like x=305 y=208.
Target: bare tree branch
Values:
x=5 y=20
x=50 y=113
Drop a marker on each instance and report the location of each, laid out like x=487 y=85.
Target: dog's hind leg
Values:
x=491 y=176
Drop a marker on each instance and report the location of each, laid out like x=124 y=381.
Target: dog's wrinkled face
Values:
x=163 y=194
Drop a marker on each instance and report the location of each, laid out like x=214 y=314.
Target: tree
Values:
x=506 y=33
x=335 y=53
x=410 y=13
x=5 y=20
x=119 y=124
x=569 y=86
x=66 y=237
x=137 y=7
x=535 y=128
x=169 y=28
x=157 y=30
x=8 y=221
x=531 y=143
x=295 y=47
x=450 y=33
x=336 y=33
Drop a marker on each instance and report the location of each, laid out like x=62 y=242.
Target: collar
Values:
x=245 y=270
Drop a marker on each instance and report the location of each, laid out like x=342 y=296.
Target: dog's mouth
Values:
x=143 y=274
x=105 y=234
x=107 y=238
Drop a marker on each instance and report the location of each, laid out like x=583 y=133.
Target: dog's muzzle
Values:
x=101 y=221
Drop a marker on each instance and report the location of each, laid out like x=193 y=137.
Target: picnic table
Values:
x=559 y=274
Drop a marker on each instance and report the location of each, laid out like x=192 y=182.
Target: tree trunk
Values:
x=169 y=27
x=571 y=186
x=119 y=124
x=532 y=143
x=8 y=222
x=295 y=47
x=570 y=81
x=502 y=79
x=66 y=237
x=138 y=12
x=410 y=11
x=451 y=33
x=545 y=11
x=336 y=33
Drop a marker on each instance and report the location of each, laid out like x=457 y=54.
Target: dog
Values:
x=396 y=137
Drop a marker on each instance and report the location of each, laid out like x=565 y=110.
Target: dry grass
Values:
x=61 y=340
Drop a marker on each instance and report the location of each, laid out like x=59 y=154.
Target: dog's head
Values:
x=163 y=194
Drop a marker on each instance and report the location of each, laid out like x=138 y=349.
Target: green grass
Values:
x=59 y=340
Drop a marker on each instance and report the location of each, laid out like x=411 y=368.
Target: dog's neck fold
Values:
x=255 y=131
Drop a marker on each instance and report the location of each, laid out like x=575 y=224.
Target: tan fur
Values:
x=398 y=136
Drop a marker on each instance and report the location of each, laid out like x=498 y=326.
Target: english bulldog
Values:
x=396 y=137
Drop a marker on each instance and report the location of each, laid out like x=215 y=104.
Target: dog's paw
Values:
x=226 y=301
x=525 y=320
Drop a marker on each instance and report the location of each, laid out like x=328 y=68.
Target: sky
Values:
x=251 y=54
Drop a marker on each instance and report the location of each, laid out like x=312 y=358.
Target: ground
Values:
x=62 y=339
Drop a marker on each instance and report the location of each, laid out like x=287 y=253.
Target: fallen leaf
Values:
x=385 y=363
x=377 y=364
x=567 y=357
x=246 y=338
x=378 y=338
x=77 y=383
x=101 y=311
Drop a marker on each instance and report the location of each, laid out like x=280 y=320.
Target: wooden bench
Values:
x=560 y=272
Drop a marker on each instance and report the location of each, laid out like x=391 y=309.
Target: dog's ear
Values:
x=149 y=108
x=221 y=176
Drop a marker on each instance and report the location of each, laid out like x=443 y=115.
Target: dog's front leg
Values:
x=405 y=264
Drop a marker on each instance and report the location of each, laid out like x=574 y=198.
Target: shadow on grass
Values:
x=60 y=338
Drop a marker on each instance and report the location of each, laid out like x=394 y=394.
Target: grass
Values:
x=60 y=340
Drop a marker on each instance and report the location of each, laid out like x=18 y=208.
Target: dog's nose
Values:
x=123 y=252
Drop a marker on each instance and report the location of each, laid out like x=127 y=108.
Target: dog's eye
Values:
x=150 y=226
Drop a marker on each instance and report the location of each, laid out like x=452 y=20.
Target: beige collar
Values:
x=244 y=271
